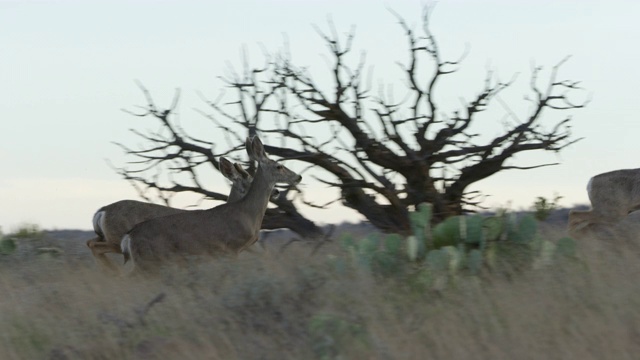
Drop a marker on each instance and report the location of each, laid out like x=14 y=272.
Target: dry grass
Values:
x=269 y=305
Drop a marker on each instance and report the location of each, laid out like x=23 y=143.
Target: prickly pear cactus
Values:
x=474 y=261
x=524 y=230
x=494 y=227
x=459 y=229
x=369 y=244
x=474 y=231
x=382 y=254
x=447 y=233
x=438 y=260
x=459 y=244
x=393 y=244
x=421 y=231
x=412 y=248
x=566 y=247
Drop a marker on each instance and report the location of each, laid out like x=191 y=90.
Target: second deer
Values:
x=112 y=222
x=228 y=228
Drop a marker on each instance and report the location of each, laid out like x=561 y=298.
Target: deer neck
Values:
x=257 y=199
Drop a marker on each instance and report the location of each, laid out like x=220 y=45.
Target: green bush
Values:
x=542 y=207
x=7 y=246
x=27 y=231
x=9 y=242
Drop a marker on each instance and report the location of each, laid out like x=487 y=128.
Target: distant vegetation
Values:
x=24 y=231
x=543 y=207
x=27 y=239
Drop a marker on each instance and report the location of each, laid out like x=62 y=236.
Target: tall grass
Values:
x=289 y=305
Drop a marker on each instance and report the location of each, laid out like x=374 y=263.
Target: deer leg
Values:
x=99 y=248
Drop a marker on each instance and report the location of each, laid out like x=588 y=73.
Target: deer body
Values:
x=228 y=228
x=613 y=195
x=113 y=221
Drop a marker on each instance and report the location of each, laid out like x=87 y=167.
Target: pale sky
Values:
x=67 y=68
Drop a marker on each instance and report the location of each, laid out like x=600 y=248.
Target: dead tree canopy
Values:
x=184 y=159
x=384 y=157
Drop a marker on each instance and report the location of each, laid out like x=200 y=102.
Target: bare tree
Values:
x=179 y=154
x=384 y=157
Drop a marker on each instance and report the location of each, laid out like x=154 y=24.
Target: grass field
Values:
x=290 y=305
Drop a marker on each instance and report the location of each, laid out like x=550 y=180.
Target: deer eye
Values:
x=279 y=167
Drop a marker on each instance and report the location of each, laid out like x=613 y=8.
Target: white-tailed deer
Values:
x=111 y=222
x=613 y=196
x=228 y=228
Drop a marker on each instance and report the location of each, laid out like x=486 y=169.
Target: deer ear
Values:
x=247 y=144
x=227 y=169
x=257 y=150
x=241 y=171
